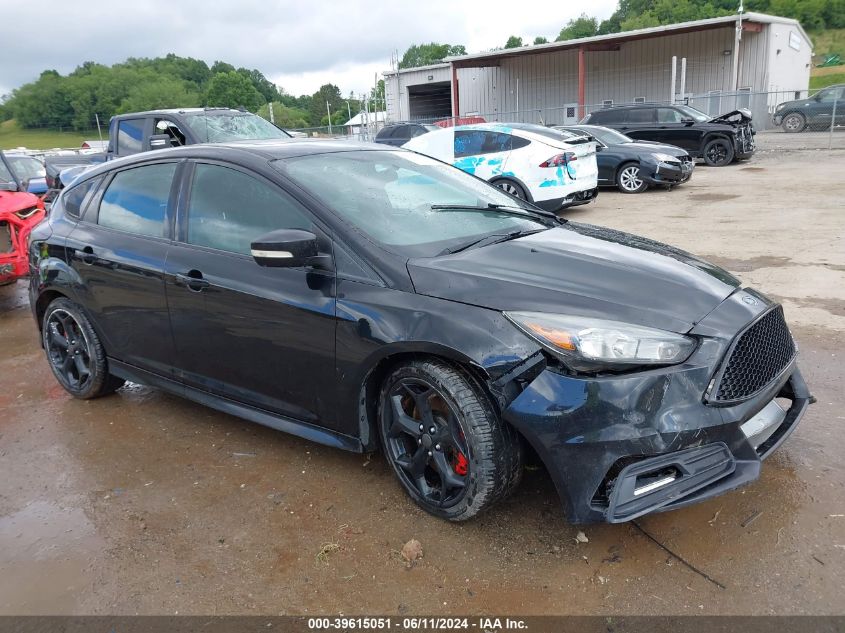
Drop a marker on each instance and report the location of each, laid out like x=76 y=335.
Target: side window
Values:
x=468 y=142
x=130 y=136
x=417 y=130
x=517 y=142
x=136 y=200
x=496 y=142
x=75 y=198
x=5 y=174
x=668 y=115
x=830 y=95
x=229 y=209
x=166 y=126
x=641 y=115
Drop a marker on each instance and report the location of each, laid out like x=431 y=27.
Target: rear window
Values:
x=608 y=116
x=130 y=136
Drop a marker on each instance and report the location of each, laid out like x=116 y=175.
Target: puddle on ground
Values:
x=46 y=558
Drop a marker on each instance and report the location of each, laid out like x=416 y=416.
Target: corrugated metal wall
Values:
x=396 y=88
x=537 y=88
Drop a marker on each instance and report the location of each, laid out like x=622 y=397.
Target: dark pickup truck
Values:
x=159 y=129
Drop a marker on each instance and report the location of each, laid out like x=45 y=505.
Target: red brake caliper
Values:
x=461 y=464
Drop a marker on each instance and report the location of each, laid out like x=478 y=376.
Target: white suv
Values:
x=550 y=168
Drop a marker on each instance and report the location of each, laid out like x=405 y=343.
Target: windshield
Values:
x=695 y=115
x=220 y=127
x=393 y=198
x=25 y=167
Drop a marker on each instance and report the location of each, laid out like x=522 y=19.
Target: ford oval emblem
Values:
x=748 y=299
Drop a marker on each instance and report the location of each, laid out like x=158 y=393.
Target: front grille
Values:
x=759 y=356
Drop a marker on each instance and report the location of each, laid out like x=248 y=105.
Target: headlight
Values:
x=586 y=344
x=665 y=158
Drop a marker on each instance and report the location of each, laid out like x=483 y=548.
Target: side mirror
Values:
x=599 y=147
x=160 y=141
x=687 y=121
x=285 y=248
x=8 y=186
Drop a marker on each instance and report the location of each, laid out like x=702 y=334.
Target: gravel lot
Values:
x=145 y=503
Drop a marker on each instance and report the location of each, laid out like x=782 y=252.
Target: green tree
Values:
x=582 y=26
x=221 y=67
x=161 y=92
x=513 y=42
x=431 y=53
x=233 y=90
x=327 y=93
x=263 y=85
x=540 y=40
x=284 y=116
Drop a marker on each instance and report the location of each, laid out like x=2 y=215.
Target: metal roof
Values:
x=599 y=41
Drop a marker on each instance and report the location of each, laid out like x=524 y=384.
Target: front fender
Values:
x=375 y=324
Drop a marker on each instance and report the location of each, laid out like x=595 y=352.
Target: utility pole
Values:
x=329 y=112
x=737 y=39
x=272 y=120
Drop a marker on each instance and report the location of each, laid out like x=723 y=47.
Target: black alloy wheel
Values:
x=74 y=352
x=444 y=440
x=426 y=440
x=718 y=152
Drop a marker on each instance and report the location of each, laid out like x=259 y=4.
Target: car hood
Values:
x=582 y=270
x=11 y=201
x=734 y=117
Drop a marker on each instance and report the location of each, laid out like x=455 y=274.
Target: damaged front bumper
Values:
x=621 y=446
x=667 y=173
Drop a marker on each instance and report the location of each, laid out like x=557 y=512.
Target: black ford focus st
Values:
x=367 y=297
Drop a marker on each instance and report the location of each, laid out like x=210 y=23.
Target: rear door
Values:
x=484 y=153
x=640 y=123
x=261 y=336
x=118 y=251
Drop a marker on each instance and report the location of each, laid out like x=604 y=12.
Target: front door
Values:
x=261 y=336
x=118 y=252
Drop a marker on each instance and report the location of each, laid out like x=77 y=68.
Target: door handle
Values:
x=193 y=280
x=87 y=255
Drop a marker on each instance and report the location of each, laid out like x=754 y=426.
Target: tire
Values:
x=794 y=122
x=718 y=152
x=74 y=352
x=628 y=179
x=469 y=462
x=511 y=187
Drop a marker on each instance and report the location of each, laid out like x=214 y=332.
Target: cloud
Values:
x=300 y=45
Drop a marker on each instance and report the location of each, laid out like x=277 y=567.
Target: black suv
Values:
x=719 y=140
x=813 y=112
x=398 y=134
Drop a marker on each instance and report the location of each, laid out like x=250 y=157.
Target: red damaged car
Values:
x=19 y=213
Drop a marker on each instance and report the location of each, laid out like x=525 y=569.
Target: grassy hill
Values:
x=12 y=136
x=825 y=43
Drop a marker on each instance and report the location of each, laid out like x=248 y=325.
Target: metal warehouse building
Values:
x=719 y=64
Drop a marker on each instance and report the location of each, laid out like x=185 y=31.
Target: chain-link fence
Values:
x=816 y=119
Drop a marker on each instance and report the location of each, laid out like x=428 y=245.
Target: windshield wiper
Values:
x=487 y=240
x=501 y=208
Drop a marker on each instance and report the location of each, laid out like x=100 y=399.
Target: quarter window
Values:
x=229 y=210
x=74 y=197
x=130 y=136
x=136 y=200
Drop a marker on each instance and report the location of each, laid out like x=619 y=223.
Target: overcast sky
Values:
x=298 y=45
